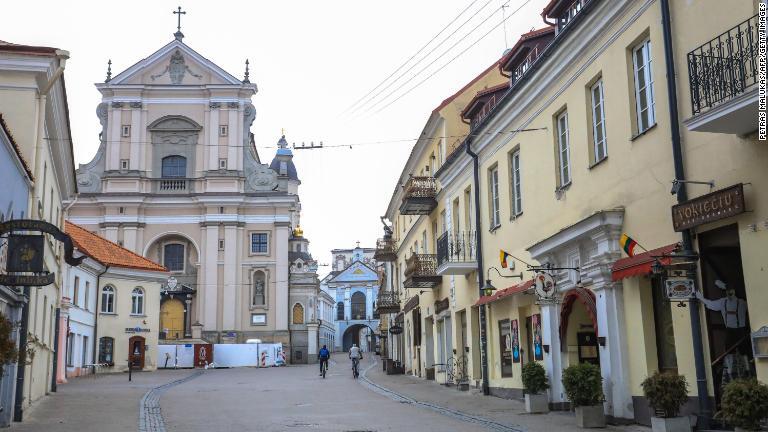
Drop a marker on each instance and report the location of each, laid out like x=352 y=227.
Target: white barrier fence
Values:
x=224 y=355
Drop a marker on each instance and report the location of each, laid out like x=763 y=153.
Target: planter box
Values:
x=590 y=416
x=671 y=424
x=536 y=403
x=463 y=386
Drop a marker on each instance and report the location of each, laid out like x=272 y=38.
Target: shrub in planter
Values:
x=535 y=386
x=584 y=388
x=8 y=351
x=667 y=393
x=744 y=404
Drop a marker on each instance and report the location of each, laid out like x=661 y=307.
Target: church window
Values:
x=221 y=244
x=222 y=164
x=173 y=257
x=340 y=311
x=106 y=349
x=223 y=130
x=126 y=131
x=124 y=164
x=358 y=306
x=108 y=300
x=137 y=301
x=298 y=314
x=259 y=243
x=174 y=166
x=258 y=297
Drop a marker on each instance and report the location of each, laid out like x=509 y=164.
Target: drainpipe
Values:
x=96 y=318
x=18 y=408
x=682 y=196
x=479 y=254
x=57 y=329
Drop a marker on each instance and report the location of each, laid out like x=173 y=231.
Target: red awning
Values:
x=640 y=264
x=506 y=292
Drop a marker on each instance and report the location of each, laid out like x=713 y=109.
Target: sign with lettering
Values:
x=679 y=288
x=396 y=329
x=708 y=208
x=441 y=305
x=137 y=330
x=410 y=304
x=22 y=280
x=25 y=253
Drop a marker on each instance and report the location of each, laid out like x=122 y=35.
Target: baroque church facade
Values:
x=177 y=179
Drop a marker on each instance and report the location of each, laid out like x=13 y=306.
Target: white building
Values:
x=78 y=311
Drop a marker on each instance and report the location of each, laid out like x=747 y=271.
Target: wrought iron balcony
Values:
x=456 y=253
x=387 y=302
x=386 y=250
x=419 y=196
x=722 y=74
x=421 y=271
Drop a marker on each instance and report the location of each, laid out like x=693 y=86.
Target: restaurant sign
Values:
x=708 y=208
x=441 y=305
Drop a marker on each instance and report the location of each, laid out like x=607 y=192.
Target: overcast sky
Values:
x=311 y=60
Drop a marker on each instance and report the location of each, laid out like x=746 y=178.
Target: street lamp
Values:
x=488 y=288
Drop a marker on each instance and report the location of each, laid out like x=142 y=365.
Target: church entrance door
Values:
x=172 y=319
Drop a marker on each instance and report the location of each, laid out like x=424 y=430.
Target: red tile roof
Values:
x=468 y=85
x=107 y=252
x=16 y=148
x=512 y=52
x=506 y=292
x=497 y=88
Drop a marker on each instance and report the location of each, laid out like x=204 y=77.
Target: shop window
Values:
x=106 y=350
x=505 y=348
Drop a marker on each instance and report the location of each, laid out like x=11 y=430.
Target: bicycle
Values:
x=323 y=367
x=355 y=372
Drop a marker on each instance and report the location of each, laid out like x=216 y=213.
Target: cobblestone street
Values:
x=280 y=399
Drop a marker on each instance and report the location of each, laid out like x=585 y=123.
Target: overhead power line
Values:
x=410 y=58
x=384 y=98
x=372 y=98
x=454 y=58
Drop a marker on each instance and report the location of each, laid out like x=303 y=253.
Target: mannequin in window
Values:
x=733 y=309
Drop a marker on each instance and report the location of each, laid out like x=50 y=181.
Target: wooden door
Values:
x=172 y=319
x=136 y=351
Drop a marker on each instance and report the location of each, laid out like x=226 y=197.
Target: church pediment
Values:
x=355 y=273
x=175 y=64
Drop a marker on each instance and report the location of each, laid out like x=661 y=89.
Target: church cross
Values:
x=179 y=13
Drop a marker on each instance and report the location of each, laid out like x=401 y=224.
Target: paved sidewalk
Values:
x=507 y=412
x=102 y=403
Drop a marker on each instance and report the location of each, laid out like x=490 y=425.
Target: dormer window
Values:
x=569 y=13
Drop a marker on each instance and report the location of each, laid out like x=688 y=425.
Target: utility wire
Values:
x=454 y=58
x=427 y=56
x=411 y=58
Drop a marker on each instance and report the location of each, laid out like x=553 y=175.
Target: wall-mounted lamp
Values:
x=677 y=184
x=488 y=288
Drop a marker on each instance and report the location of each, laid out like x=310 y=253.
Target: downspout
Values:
x=682 y=196
x=18 y=408
x=96 y=318
x=479 y=254
x=55 y=365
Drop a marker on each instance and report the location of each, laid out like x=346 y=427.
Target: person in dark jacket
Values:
x=323 y=355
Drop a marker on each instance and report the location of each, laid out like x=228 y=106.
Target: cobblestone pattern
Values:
x=397 y=397
x=150 y=416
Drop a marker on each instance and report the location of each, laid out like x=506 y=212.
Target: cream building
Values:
x=177 y=179
x=127 y=301
x=577 y=152
x=33 y=103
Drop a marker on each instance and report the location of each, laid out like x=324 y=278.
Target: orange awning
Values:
x=640 y=264
x=506 y=292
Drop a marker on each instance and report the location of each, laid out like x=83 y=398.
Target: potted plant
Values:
x=667 y=393
x=744 y=404
x=584 y=388
x=535 y=388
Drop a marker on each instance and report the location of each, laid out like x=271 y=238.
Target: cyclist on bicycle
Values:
x=323 y=355
x=355 y=355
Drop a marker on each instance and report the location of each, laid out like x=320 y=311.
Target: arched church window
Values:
x=173 y=256
x=174 y=166
x=298 y=314
x=358 y=306
x=340 y=311
x=258 y=296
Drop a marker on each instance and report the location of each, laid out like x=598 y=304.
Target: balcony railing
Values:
x=172 y=185
x=724 y=67
x=421 y=271
x=387 y=302
x=456 y=253
x=419 y=196
x=386 y=250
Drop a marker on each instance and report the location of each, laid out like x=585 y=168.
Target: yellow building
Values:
x=437 y=341
x=581 y=148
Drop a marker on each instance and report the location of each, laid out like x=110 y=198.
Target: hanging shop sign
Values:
x=396 y=329
x=708 y=208
x=544 y=286
x=411 y=303
x=25 y=252
x=679 y=288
